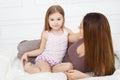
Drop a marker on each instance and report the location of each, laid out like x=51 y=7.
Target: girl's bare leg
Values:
x=44 y=66
x=62 y=67
x=30 y=68
x=41 y=66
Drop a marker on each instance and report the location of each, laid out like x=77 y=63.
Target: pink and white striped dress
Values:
x=55 y=48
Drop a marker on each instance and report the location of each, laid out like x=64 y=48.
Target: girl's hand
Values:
x=75 y=74
x=24 y=59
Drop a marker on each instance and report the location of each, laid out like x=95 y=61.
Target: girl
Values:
x=54 y=41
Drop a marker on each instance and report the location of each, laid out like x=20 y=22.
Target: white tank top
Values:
x=56 y=46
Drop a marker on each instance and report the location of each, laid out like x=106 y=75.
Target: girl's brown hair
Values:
x=51 y=10
x=99 y=56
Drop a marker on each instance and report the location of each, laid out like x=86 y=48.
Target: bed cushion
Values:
x=27 y=45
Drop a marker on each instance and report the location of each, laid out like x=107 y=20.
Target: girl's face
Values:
x=56 y=21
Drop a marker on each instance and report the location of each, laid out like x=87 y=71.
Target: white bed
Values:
x=11 y=68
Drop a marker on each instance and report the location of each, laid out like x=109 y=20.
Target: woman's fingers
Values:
x=70 y=71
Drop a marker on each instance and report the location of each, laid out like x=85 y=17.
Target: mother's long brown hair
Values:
x=99 y=55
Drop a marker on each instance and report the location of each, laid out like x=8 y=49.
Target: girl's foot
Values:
x=30 y=68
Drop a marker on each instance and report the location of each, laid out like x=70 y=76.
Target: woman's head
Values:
x=54 y=14
x=98 y=44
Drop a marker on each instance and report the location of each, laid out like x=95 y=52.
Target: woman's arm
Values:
x=73 y=37
x=62 y=67
x=75 y=74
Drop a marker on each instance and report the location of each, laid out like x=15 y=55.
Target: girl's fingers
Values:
x=24 y=61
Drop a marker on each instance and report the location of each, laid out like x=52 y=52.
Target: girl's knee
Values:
x=70 y=66
x=44 y=66
x=62 y=67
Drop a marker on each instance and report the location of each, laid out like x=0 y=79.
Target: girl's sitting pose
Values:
x=54 y=41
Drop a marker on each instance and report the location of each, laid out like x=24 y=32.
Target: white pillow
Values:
x=116 y=42
x=117 y=59
x=117 y=53
x=4 y=67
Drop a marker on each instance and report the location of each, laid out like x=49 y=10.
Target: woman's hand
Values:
x=75 y=74
x=24 y=59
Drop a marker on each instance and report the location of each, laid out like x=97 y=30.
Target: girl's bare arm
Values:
x=42 y=46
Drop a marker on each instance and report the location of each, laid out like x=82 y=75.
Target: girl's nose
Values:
x=56 y=22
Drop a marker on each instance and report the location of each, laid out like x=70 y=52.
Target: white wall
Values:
x=24 y=19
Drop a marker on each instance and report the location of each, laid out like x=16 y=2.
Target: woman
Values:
x=93 y=53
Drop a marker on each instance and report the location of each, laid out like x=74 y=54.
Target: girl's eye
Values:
x=59 y=19
x=52 y=19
